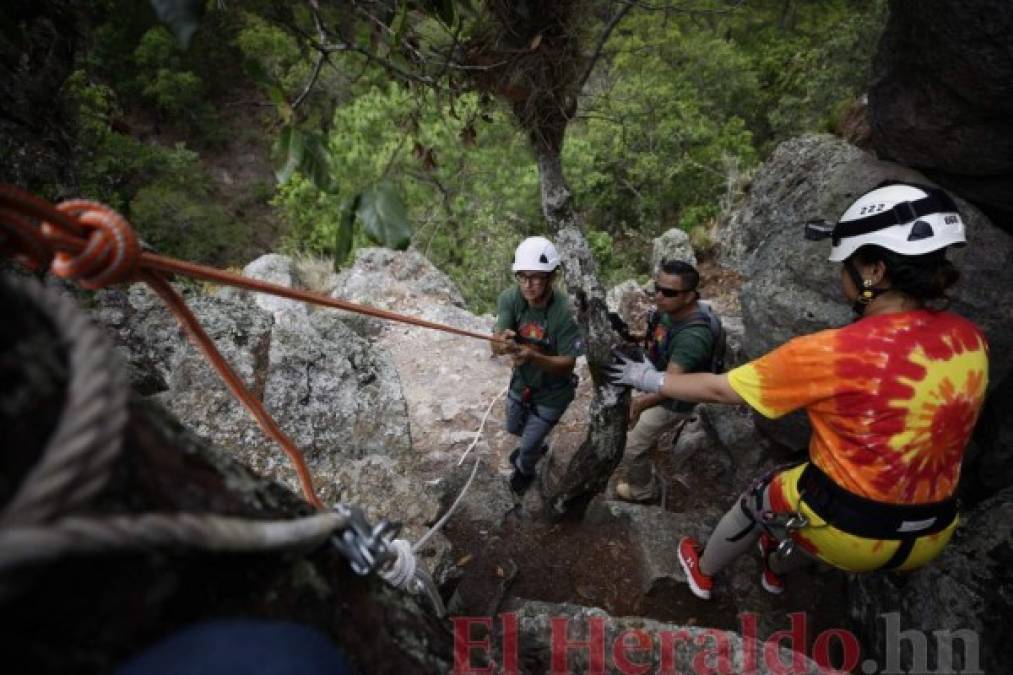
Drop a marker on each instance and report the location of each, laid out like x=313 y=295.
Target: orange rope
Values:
x=94 y=245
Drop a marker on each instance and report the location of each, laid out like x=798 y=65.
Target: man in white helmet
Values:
x=543 y=341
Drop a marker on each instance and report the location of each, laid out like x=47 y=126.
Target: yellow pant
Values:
x=843 y=550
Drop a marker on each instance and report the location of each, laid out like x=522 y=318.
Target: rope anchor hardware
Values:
x=367 y=548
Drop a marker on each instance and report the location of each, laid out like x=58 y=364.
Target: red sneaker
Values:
x=689 y=558
x=770 y=581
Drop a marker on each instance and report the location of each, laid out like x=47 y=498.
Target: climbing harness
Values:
x=89 y=242
x=870 y=519
x=769 y=520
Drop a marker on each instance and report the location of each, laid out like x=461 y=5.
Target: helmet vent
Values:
x=920 y=230
x=544 y=260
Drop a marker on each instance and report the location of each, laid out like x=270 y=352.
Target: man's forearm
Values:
x=556 y=365
x=650 y=400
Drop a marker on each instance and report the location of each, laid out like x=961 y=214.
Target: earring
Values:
x=866 y=295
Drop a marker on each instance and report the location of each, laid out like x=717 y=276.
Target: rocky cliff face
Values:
x=941 y=99
x=338 y=399
x=963 y=601
x=313 y=362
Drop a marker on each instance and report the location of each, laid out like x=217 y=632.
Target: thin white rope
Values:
x=401 y=571
x=474 y=470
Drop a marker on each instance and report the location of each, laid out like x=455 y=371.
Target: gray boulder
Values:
x=642 y=644
x=672 y=245
x=336 y=398
x=145 y=334
x=629 y=300
x=281 y=270
x=942 y=97
x=393 y=279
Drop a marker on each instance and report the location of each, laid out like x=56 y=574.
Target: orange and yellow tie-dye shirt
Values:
x=892 y=400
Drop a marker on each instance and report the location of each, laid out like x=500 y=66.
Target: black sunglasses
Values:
x=667 y=292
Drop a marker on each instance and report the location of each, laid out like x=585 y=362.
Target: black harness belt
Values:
x=870 y=519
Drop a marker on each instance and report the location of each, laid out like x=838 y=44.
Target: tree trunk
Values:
x=588 y=471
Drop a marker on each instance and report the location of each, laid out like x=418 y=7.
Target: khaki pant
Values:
x=640 y=440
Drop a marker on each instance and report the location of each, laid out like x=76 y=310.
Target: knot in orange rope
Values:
x=111 y=252
x=78 y=239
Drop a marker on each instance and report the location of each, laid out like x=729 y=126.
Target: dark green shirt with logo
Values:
x=552 y=325
x=686 y=346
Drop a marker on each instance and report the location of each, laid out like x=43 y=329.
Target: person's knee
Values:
x=516 y=420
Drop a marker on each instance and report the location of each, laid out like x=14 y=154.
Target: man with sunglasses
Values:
x=539 y=334
x=678 y=340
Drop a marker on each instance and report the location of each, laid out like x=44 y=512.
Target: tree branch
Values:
x=602 y=39
x=313 y=79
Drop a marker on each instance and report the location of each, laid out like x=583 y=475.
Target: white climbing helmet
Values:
x=535 y=254
x=907 y=219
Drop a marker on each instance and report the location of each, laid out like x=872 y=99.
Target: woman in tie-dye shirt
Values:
x=892 y=399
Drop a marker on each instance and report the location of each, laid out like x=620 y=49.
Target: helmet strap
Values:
x=866 y=292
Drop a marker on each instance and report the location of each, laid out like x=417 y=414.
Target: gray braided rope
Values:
x=75 y=463
x=21 y=546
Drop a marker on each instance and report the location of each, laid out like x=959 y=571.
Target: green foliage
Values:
x=163 y=191
x=811 y=59
x=174 y=92
x=383 y=215
x=306 y=153
x=651 y=150
x=181 y=221
x=680 y=103
x=274 y=52
x=469 y=187
x=697 y=216
x=112 y=166
x=601 y=247
x=314 y=217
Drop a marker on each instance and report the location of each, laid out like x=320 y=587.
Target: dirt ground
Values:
x=594 y=563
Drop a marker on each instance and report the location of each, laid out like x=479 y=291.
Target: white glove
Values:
x=641 y=375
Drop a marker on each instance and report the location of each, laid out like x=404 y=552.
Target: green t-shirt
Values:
x=689 y=347
x=552 y=324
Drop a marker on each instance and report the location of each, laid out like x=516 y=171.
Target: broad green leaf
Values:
x=346 y=232
x=384 y=216
x=305 y=152
x=182 y=16
x=316 y=162
x=291 y=146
